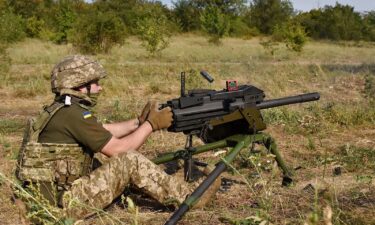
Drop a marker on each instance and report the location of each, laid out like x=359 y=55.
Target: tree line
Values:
x=96 y=26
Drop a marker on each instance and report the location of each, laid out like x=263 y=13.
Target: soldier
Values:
x=59 y=145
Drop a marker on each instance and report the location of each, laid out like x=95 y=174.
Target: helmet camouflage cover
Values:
x=75 y=71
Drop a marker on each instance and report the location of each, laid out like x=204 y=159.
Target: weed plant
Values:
x=356 y=158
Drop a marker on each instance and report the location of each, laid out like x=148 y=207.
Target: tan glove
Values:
x=146 y=110
x=159 y=119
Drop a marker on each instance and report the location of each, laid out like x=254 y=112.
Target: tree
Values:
x=153 y=30
x=215 y=23
x=266 y=14
x=369 y=26
x=97 y=32
x=12 y=27
x=292 y=34
x=339 y=22
x=129 y=11
x=187 y=15
x=64 y=19
x=228 y=7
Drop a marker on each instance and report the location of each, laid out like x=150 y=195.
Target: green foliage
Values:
x=154 y=32
x=5 y=60
x=282 y=116
x=228 y=7
x=339 y=22
x=28 y=9
x=270 y=46
x=40 y=209
x=344 y=116
x=370 y=87
x=251 y=220
x=64 y=18
x=357 y=158
x=215 y=23
x=97 y=32
x=34 y=26
x=292 y=34
x=8 y=126
x=187 y=15
x=119 y=112
x=128 y=11
x=238 y=28
x=266 y=14
x=12 y=27
x=369 y=26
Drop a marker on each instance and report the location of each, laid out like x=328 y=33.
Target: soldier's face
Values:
x=95 y=87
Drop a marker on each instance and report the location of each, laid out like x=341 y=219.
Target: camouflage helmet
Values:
x=75 y=71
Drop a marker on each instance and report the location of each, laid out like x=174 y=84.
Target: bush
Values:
x=370 y=87
x=34 y=26
x=292 y=34
x=97 y=32
x=266 y=14
x=239 y=28
x=5 y=61
x=154 y=32
x=12 y=28
x=215 y=23
x=339 y=22
x=63 y=21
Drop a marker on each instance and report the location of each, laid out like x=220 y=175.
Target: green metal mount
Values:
x=244 y=140
x=236 y=143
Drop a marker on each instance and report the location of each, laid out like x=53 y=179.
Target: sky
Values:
x=306 y=5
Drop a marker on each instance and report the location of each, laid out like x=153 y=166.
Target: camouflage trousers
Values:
x=104 y=184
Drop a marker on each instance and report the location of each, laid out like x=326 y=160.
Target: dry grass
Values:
x=310 y=136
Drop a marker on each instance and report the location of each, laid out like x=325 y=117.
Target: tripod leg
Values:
x=270 y=144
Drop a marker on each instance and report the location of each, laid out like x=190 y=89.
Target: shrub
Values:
x=239 y=28
x=215 y=23
x=34 y=26
x=12 y=28
x=154 y=32
x=5 y=61
x=270 y=46
x=370 y=87
x=292 y=34
x=63 y=21
x=266 y=14
x=97 y=32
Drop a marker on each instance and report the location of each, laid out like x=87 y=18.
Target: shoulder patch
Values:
x=86 y=114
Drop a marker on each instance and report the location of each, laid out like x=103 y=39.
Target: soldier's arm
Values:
x=132 y=141
x=122 y=129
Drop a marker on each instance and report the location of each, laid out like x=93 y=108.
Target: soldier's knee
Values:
x=130 y=155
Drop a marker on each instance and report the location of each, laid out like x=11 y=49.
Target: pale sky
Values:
x=306 y=5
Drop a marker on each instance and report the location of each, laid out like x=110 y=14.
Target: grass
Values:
x=313 y=137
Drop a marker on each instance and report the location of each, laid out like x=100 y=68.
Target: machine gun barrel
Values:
x=289 y=100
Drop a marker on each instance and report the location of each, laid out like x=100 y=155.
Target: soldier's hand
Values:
x=159 y=119
x=146 y=110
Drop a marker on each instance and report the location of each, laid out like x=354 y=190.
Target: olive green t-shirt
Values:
x=74 y=124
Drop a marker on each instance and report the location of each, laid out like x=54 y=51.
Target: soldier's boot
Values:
x=209 y=194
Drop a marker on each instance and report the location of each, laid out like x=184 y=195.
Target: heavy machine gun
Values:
x=226 y=118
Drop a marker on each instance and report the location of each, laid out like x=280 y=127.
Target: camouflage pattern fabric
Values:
x=74 y=71
x=103 y=185
x=51 y=162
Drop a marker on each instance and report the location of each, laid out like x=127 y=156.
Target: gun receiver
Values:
x=201 y=110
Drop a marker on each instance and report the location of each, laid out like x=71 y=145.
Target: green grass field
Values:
x=314 y=138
